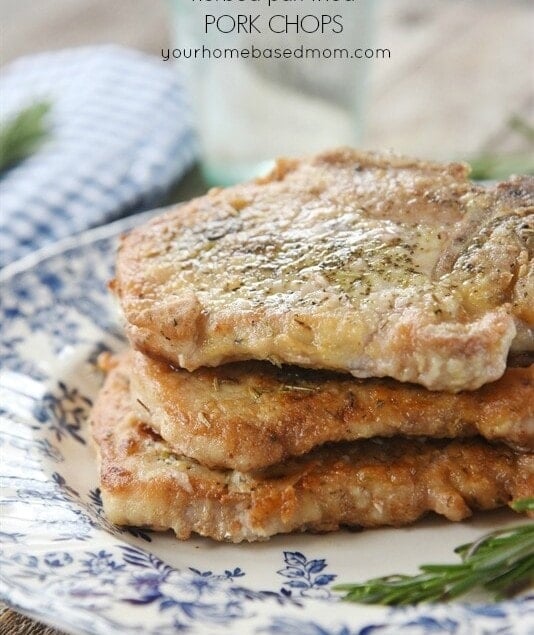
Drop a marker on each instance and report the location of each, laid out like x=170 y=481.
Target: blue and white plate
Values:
x=63 y=563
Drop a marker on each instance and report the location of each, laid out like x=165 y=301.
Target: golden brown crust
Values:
x=251 y=414
x=367 y=263
x=368 y=483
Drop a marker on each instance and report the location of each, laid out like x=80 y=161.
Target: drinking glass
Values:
x=295 y=87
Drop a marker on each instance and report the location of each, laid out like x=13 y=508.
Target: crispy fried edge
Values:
x=333 y=409
x=388 y=482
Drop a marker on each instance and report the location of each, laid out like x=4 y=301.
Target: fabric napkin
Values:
x=120 y=135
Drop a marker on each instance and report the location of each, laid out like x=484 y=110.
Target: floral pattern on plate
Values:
x=63 y=562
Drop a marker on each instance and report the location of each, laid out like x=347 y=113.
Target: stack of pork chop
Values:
x=347 y=341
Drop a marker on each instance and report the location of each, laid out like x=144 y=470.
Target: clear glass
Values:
x=250 y=111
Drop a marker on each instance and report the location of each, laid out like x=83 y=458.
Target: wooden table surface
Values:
x=459 y=70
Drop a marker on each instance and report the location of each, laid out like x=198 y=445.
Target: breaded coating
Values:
x=249 y=415
x=367 y=263
x=363 y=484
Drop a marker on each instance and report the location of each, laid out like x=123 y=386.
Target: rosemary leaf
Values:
x=523 y=505
x=501 y=562
x=22 y=134
x=493 y=166
x=489 y=166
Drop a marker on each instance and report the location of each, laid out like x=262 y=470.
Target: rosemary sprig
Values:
x=21 y=135
x=523 y=505
x=501 y=562
x=500 y=166
x=492 y=166
x=522 y=126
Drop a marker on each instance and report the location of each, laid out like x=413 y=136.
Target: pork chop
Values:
x=249 y=415
x=364 y=484
x=367 y=263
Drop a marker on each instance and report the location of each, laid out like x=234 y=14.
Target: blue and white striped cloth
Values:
x=121 y=134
